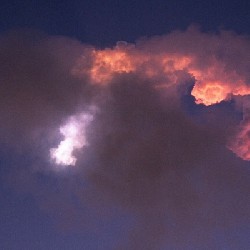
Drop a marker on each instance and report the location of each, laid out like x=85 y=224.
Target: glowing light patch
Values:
x=74 y=132
x=108 y=62
x=210 y=93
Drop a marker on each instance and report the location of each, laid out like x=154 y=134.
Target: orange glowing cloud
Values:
x=215 y=65
x=210 y=93
x=108 y=62
x=213 y=82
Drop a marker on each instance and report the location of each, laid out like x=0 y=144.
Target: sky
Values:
x=124 y=125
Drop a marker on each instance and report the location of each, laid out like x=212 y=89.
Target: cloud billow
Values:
x=145 y=153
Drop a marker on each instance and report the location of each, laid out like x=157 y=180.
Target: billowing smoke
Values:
x=156 y=145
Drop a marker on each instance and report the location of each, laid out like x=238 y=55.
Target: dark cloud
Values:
x=167 y=168
x=37 y=89
x=151 y=159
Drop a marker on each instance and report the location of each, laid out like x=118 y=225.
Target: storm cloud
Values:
x=156 y=151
